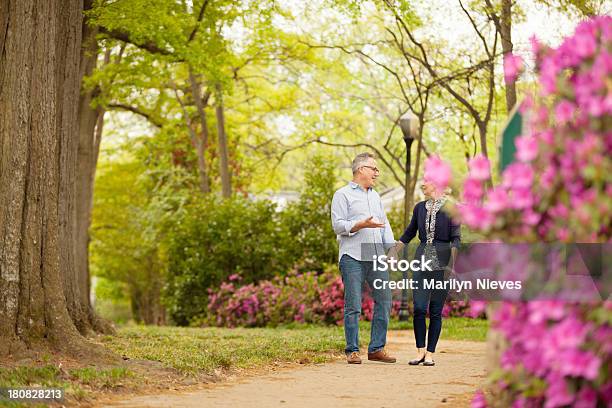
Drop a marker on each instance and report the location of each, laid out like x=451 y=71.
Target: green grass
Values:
x=75 y=382
x=454 y=328
x=194 y=350
x=204 y=350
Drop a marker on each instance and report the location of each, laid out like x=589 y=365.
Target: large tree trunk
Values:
x=226 y=181
x=507 y=47
x=39 y=91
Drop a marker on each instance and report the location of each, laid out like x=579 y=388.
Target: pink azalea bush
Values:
x=299 y=298
x=558 y=190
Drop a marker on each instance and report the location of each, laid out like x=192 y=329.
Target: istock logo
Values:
x=382 y=263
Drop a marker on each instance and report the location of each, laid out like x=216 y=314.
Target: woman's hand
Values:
x=395 y=250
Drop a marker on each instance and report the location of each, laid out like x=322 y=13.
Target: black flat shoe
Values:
x=429 y=363
x=416 y=362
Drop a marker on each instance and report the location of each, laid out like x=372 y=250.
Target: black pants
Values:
x=424 y=300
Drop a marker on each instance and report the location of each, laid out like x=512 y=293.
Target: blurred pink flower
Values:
x=513 y=66
x=497 y=200
x=518 y=175
x=536 y=45
x=586 y=398
x=472 y=190
x=531 y=217
x=564 y=111
x=475 y=216
x=480 y=168
x=522 y=198
x=437 y=172
x=526 y=148
x=557 y=393
x=479 y=400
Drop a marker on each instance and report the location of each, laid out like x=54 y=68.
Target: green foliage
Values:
x=312 y=241
x=124 y=233
x=214 y=238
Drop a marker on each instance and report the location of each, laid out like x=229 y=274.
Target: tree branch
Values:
x=148 y=116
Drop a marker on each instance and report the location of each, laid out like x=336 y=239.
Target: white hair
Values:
x=360 y=160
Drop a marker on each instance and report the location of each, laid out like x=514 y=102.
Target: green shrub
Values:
x=214 y=238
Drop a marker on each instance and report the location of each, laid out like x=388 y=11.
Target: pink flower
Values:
x=472 y=189
x=542 y=311
x=586 y=398
x=518 y=175
x=526 y=148
x=531 y=217
x=576 y=363
x=547 y=137
x=522 y=198
x=480 y=168
x=513 y=66
x=477 y=307
x=564 y=111
x=437 y=172
x=476 y=217
x=557 y=394
x=536 y=45
x=584 y=40
x=548 y=76
x=479 y=400
x=497 y=200
x=563 y=234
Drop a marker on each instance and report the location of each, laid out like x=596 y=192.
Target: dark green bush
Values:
x=214 y=238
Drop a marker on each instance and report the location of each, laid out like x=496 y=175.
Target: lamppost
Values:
x=409 y=124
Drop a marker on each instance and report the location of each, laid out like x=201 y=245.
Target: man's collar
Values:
x=356 y=185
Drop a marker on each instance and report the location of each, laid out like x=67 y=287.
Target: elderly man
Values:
x=359 y=220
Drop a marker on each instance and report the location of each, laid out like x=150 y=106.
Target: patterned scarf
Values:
x=432 y=206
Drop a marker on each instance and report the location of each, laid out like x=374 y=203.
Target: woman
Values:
x=440 y=237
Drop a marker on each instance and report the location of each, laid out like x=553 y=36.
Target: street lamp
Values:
x=409 y=124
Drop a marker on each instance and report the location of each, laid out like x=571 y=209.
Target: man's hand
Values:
x=369 y=222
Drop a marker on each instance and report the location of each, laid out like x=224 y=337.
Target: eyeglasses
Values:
x=375 y=169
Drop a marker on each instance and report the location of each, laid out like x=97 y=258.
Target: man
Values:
x=359 y=220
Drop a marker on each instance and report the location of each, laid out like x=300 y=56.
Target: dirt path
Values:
x=458 y=372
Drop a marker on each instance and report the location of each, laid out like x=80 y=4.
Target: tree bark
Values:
x=226 y=182
x=202 y=141
x=505 y=30
x=39 y=91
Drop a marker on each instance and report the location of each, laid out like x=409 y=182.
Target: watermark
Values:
x=382 y=263
x=574 y=272
x=30 y=394
x=454 y=285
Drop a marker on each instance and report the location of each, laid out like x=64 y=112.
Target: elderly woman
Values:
x=440 y=237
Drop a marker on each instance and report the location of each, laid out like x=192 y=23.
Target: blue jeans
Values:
x=432 y=299
x=354 y=273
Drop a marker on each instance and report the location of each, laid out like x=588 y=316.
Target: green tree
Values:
x=311 y=240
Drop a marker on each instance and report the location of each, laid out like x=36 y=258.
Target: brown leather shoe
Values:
x=353 y=358
x=382 y=356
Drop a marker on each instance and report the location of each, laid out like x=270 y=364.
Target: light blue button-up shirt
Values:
x=350 y=205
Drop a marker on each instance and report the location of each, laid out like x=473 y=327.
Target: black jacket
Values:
x=446 y=235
